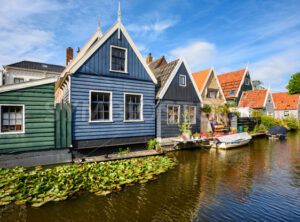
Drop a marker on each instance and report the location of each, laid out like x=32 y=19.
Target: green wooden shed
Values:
x=27 y=125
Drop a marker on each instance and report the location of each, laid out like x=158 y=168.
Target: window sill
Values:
x=9 y=133
x=100 y=121
x=128 y=121
x=125 y=72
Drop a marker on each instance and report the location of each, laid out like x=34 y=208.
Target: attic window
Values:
x=118 y=59
x=247 y=82
x=182 y=80
x=232 y=92
x=212 y=93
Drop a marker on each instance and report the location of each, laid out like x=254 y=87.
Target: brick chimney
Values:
x=149 y=58
x=69 y=55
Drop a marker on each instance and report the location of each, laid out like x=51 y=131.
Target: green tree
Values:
x=294 y=84
x=257 y=84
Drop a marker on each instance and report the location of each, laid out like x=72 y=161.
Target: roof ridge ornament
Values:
x=99 y=28
x=119 y=21
x=119 y=13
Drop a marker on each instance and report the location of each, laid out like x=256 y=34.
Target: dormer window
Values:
x=118 y=59
x=247 y=81
x=182 y=80
x=232 y=92
x=212 y=93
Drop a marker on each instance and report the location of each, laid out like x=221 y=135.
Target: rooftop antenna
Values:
x=119 y=21
x=119 y=13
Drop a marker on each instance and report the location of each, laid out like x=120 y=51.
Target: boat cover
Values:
x=274 y=130
x=234 y=137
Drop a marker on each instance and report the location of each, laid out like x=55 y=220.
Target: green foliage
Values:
x=292 y=122
x=152 y=144
x=257 y=84
x=294 y=84
x=40 y=186
x=206 y=109
x=256 y=113
x=269 y=121
x=238 y=114
x=225 y=108
x=259 y=129
x=124 y=151
x=185 y=127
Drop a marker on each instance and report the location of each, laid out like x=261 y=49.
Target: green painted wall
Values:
x=39 y=119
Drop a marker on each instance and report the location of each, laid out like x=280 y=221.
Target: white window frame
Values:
x=184 y=85
x=168 y=114
x=23 y=113
x=195 y=113
x=286 y=112
x=247 y=81
x=126 y=59
x=212 y=89
x=110 y=107
x=141 y=107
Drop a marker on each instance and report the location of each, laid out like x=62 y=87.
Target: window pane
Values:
x=132 y=107
x=11 y=118
x=100 y=103
x=118 y=59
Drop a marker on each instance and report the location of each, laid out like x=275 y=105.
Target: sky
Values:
x=227 y=35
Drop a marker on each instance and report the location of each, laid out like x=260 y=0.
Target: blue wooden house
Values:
x=176 y=93
x=111 y=90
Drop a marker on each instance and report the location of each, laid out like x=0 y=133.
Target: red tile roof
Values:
x=231 y=81
x=253 y=99
x=200 y=78
x=284 y=101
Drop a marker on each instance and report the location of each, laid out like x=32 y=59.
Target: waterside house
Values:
x=286 y=105
x=176 y=93
x=234 y=84
x=27 y=71
x=111 y=90
x=257 y=100
x=27 y=133
x=211 y=94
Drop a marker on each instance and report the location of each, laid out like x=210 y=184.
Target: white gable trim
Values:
x=172 y=76
x=273 y=101
x=24 y=85
x=220 y=88
x=241 y=83
x=115 y=27
x=205 y=83
x=267 y=94
x=241 y=98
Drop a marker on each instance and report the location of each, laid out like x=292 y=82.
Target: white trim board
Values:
x=242 y=81
x=28 y=84
x=78 y=62
x=172 y=76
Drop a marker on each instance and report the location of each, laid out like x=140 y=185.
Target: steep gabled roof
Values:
x=284 y=101
x=161 y=61
x=95 y=44
x=201 y=79
x=254 y=99
x=232 y=81
x=162 y=75
x=36 y=66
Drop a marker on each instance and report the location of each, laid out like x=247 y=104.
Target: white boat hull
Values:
x=228 y=145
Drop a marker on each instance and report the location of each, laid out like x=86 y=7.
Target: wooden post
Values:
x=63 y=126
x=57 y=126
x=69 y=125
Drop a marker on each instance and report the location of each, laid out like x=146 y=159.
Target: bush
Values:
x=256 y=113
x=292 y=122
x=152 y=144
x=206 y=109
x=269 y=121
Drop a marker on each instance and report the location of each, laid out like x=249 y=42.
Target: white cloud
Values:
x=153 y=29
x=274 y=70
x=197 y=54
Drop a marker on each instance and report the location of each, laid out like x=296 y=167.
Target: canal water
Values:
x=259 y=182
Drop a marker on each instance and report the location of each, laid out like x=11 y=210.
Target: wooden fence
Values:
x=63 y=134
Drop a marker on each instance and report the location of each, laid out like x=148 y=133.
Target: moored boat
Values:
x=231 y=141
x=277 y=132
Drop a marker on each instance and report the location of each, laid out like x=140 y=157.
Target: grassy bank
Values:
x=40 y=186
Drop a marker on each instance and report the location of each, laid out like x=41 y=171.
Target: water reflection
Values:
x=259 y=182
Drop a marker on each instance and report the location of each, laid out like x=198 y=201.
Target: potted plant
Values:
x=185 y=127
x=210 y=133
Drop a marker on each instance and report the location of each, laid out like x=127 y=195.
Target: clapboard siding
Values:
x=82 y=129
x=99 y=62
x=180 y=93
x=172 y=130
x=39 y=119
x=244 y=88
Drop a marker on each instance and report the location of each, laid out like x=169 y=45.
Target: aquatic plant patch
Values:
x=40 y=186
